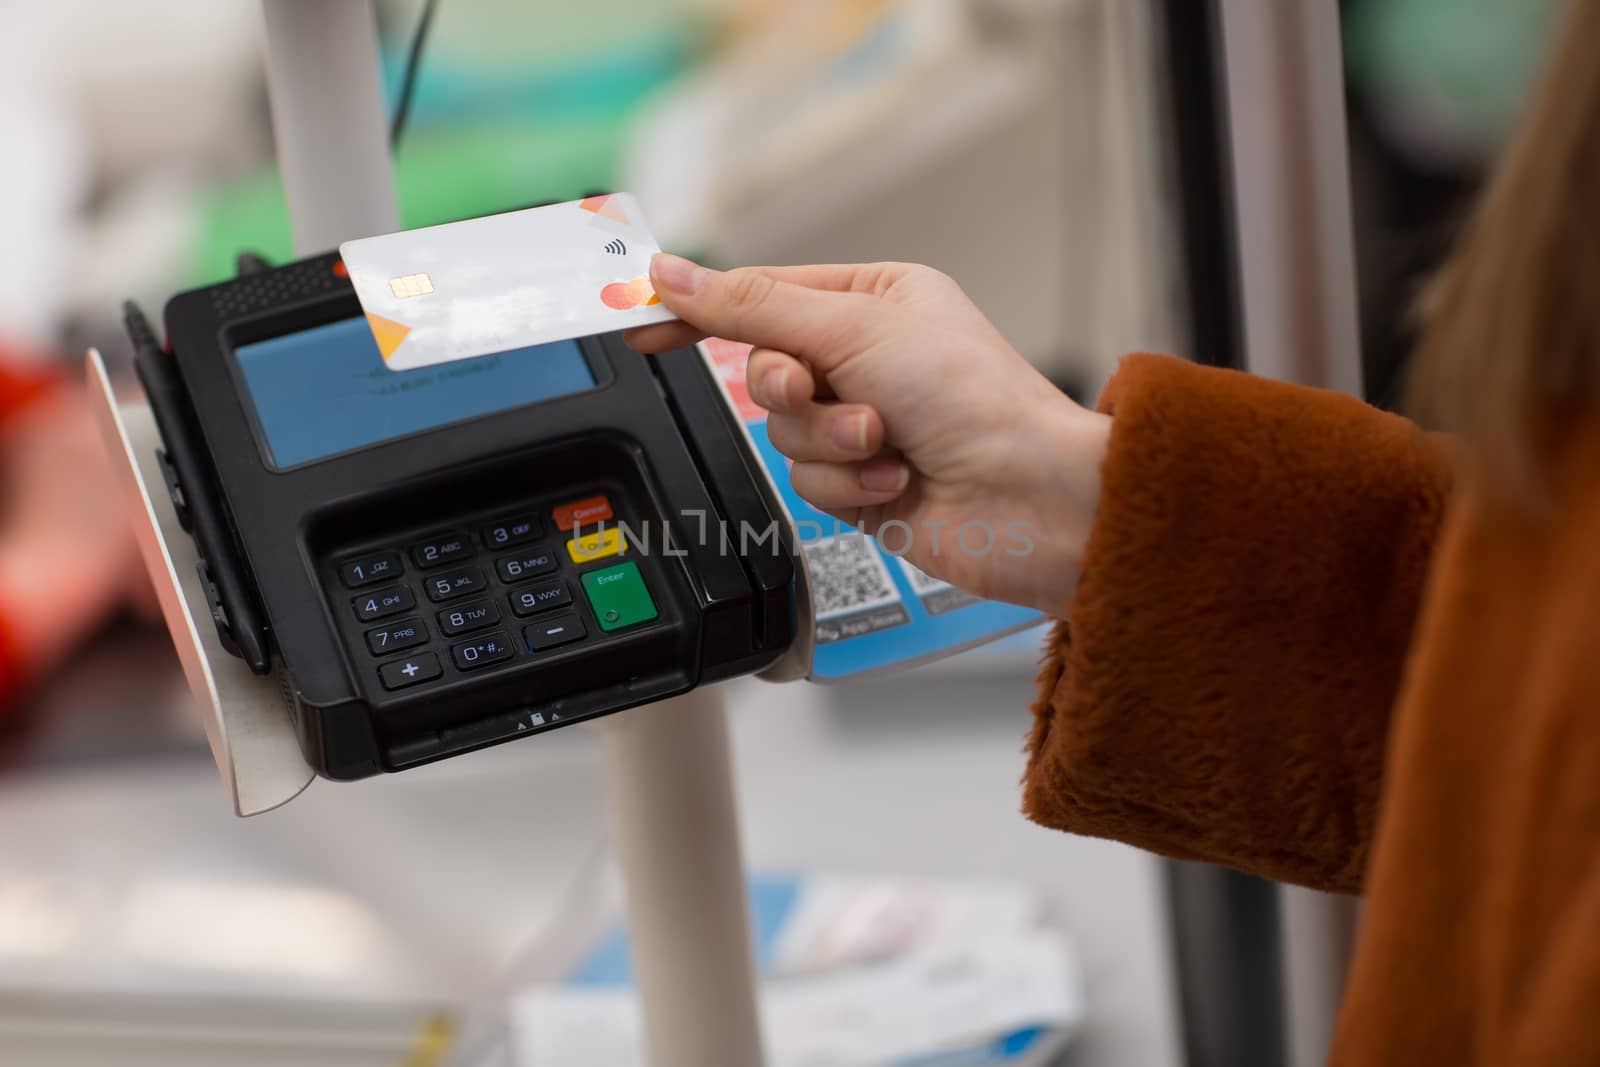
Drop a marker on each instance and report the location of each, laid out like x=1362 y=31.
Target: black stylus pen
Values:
x=244 y=625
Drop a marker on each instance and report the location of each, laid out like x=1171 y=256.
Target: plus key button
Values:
x=411 y=670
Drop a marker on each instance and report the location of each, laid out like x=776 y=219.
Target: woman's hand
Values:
x=907 y=414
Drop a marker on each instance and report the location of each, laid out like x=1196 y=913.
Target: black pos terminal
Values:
x=446 y=558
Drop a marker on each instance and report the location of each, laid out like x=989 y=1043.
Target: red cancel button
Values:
x=582 y=512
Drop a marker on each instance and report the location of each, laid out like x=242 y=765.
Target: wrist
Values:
x=1063 y=490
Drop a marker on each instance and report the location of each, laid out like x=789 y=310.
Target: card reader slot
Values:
x=528 y=719
x=414 y=736
x=720 y=451
x=681 y=496
x=240 y=621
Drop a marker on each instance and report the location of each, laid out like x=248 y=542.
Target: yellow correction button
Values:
x=598 y=545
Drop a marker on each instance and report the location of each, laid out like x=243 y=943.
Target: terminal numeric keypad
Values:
x=522 y=572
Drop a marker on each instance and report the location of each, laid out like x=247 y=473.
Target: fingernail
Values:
x=677 y=275
x=850 y=433
x=885 y=476
x=774 y=388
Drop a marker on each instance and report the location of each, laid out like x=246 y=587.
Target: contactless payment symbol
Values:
x=619 y=296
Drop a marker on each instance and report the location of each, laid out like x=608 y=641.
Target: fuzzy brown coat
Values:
x=1297 y=652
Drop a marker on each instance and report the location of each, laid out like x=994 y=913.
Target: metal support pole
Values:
x=669 y=766
x=1226 y=925
x=1291 y=170
x=670 y=789
x=1291 y=176
x=328 y=118
x=1226 y=930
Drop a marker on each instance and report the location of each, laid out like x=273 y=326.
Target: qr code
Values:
x=921 y=581
x=847 y=575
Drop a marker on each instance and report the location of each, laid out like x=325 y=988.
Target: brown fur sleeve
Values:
x=1223 y=689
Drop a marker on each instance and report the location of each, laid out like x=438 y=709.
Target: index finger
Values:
x=835 y=277
x=824 y=327
x=829 y=277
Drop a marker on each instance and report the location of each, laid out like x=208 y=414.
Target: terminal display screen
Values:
x=325 y=391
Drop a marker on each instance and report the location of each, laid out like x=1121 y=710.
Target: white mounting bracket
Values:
x=247 y=716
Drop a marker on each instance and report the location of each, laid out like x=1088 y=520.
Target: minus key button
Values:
x=554 y=632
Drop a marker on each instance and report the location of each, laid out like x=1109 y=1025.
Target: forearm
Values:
x=1249 y=589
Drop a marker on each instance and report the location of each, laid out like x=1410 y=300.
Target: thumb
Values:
x=823 y=328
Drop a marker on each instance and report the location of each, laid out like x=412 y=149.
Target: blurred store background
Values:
x=1019 y=145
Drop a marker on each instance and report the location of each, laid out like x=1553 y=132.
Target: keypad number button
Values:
x=468 y=617
x=365 y=570
x=521 y=568
x=382 y=603
x=407 y=633
x=481 y=652
x=508 y=533
x=542 y=597
x=445 y=548
x=455 y=584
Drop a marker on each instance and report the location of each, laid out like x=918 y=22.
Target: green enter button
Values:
x=619 y=597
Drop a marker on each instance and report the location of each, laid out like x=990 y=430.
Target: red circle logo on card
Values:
x=624 y=295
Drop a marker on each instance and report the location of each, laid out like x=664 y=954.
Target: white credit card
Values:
x=502 y=282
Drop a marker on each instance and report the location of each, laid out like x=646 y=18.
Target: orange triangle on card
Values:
x=388 y=333
x=606 y=206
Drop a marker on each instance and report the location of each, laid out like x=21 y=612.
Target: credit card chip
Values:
x=410 y=285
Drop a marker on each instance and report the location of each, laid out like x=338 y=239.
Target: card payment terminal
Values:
x=450 y=557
